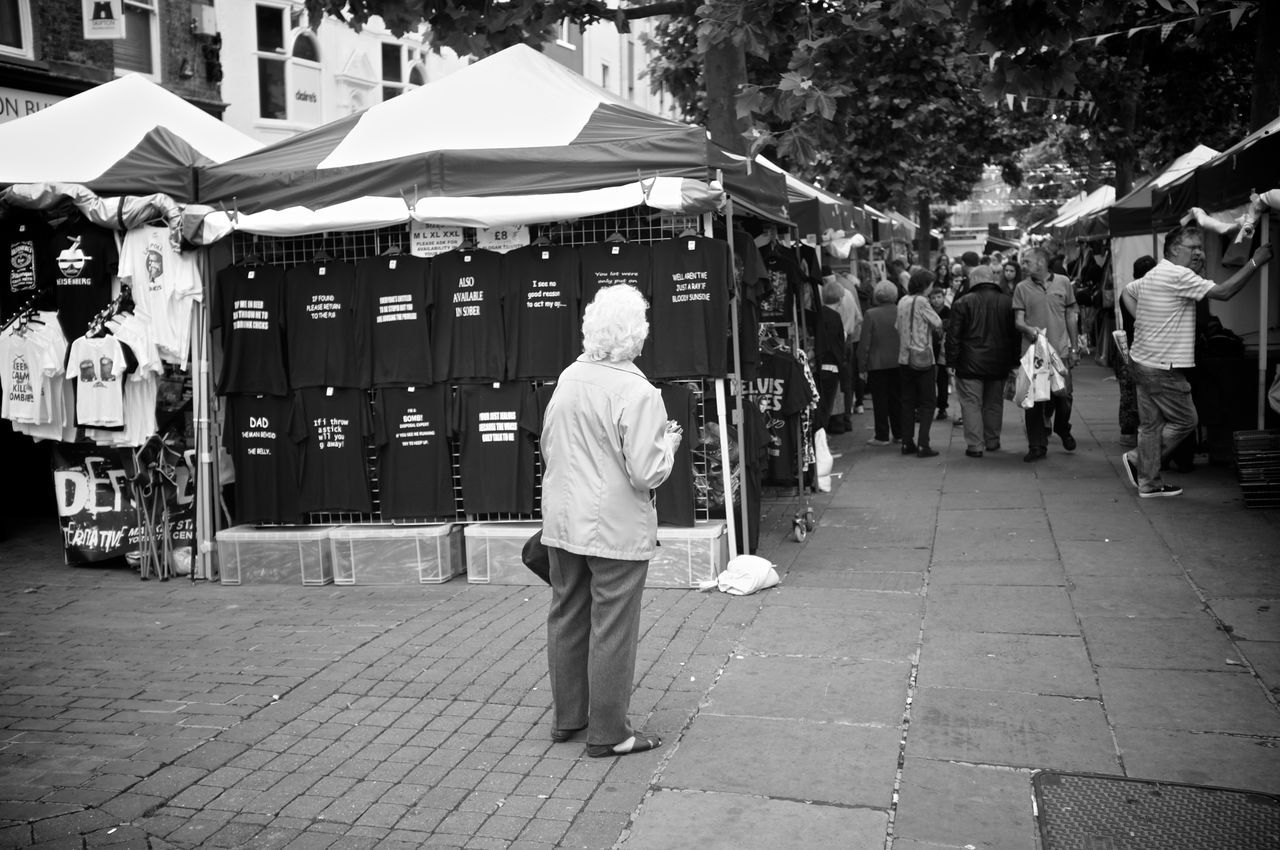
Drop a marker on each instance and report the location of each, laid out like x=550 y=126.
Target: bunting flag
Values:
x=1166 y=29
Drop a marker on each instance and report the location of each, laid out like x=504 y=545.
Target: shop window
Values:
x=392 y=70
x=305 y=48
x=565 y=37
x=271 y=27
x=139 y=50
x=417 y=76
x=604 y=75
x=304 y=80
x=15 y=28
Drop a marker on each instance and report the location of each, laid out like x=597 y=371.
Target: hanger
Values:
x=689 y=231
x=122 y=303
x=24 y=314
x=542 y=240
x=254 y=257
x=468 y=242
x=393 y=248
x=615 y=236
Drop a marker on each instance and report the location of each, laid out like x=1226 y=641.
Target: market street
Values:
x=951 y=626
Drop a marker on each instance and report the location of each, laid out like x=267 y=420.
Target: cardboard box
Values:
x=493 y=552
x=389 y=554
x=285 y=555
x=689 y=556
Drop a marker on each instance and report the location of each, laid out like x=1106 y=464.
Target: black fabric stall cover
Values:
x=162 y=162
x=1250 y=165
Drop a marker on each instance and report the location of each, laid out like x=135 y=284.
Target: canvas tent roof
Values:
x=1078 y=208
x=1131 y=215
x=1225 y=181
x=128 y=136
x=513 y=124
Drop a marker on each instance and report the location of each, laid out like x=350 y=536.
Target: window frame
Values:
x=25 y=32
x=283 y=54
x=152 y=6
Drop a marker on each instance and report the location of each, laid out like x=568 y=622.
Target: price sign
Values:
x=427 y=240
x=503 y=239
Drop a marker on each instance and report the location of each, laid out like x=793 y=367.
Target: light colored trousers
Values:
x=593 y=627
x=982 y=409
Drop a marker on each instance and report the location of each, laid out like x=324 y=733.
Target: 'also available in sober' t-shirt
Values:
x=495 y=427
x=690 y=308
x=542 y=311
x=468 y=337
x=331 y=423
x=415 y=467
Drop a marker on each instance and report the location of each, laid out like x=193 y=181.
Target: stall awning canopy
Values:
x=1078 y=208
x=514 y=123
x=1225 y=181
x=1131 y=215
x=127 y=137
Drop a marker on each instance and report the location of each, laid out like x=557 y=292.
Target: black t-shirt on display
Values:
x=86 y=259
x=415 y=469
x=328 y=345
x=331 y=423
x=248 y=307
x=610 y=263
x=495 y=427
x=27 y=264
x=543 y=332
x=781 y=391
x=467 y=331
x=676 y=497
x=786 y=280
x=396 y=302
x=690 y=308
x=265 y=458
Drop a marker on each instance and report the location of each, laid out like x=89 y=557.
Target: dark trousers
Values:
x=944 y=384
x=851 y=379
x=1055 y=413
x=919 y=395
x=886 y=401
x=828 y=385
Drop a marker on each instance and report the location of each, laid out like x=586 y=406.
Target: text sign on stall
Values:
x=95 y=504
x=503 y=239
x=427 y=240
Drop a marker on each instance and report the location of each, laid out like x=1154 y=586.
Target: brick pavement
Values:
x=947 y=628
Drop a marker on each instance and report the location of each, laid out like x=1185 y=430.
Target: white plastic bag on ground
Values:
x=744 y=575
x=824 y=460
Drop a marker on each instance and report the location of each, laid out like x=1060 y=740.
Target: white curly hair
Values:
x=614 y=326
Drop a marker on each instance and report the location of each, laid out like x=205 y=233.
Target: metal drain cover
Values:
x=1090 y=811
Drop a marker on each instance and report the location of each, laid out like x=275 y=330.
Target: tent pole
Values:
x=206 y=475
x=1263 y=320
x=739 y=420
x=726 y=466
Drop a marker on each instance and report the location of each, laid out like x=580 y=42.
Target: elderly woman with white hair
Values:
x=606 y=444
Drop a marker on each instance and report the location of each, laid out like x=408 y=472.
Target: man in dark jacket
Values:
x=982 y=347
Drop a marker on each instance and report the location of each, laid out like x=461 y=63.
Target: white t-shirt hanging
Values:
x=28 y=354
x=165 y=284
x=97 y=366
x=61 y=426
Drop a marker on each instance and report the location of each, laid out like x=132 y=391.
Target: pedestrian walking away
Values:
x=878 y=355
x=606 y=443
x=917 y=325
x=1163 y=304
x=982 y=346
x=1044 y=302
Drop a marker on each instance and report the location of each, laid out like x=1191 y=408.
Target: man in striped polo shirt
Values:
x=1163 y=303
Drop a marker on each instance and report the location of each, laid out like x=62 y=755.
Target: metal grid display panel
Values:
x=636 y=225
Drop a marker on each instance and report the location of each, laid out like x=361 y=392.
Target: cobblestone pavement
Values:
x=950 y=626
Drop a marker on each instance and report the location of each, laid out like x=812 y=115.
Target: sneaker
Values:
x=994 y=448
x=942 y=415
x=878 y=442
x=1162 y=490
x=1130 y=468
x=857 y=408
x=925 y=451
x=1033 y=455
x=973 y=453
x=1068 y=442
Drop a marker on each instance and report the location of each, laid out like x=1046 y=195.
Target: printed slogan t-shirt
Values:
x=781 y=392
x=265 y=458
x=396 y=299
x=86 y=259
x=611 y=263
x=542 y=316
x=495 y=428
x=690 y=308
x=468 y=337
x=328 y=346
x=248 y=307
x=330 y=423
x=415 y=469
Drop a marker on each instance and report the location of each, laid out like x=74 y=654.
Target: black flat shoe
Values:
x=641 y=743
x=972 y=453
x=559 y=736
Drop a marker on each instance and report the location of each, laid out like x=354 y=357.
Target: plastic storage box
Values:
x=688 y=556
x=422 y=554
x=493 y=552
x=248 y=555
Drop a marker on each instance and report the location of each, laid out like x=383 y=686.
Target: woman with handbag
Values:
x=606 y=444
x=918 y=324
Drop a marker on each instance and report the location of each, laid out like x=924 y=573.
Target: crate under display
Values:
x=685 y=557
x=249 y=555
x=381 y=555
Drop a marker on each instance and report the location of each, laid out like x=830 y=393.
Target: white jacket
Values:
x=604 y=450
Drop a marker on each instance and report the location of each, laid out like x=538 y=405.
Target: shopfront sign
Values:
x=16 y=103
x=304 y=106
x=103 y=18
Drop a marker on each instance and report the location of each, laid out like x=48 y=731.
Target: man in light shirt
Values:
x=1163 y=303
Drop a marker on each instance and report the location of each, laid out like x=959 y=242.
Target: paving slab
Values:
x=1249 y=619
x=876 y=635
x=852 y=578
x=1156 y=597
x=1036 y=664
x=960 y=805
x=716 y=821
x=1192 y=701
x=1028 y=519
x=847 y=600
x=1013 y=730
x=984 y=545
x=875 y=527
x=982 y=494
x=1198 y=758
x=1005 y=573
x=827 y=690
x=987 y=608
x=815 y=762
x=1169 y=643
x=1135 y=554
